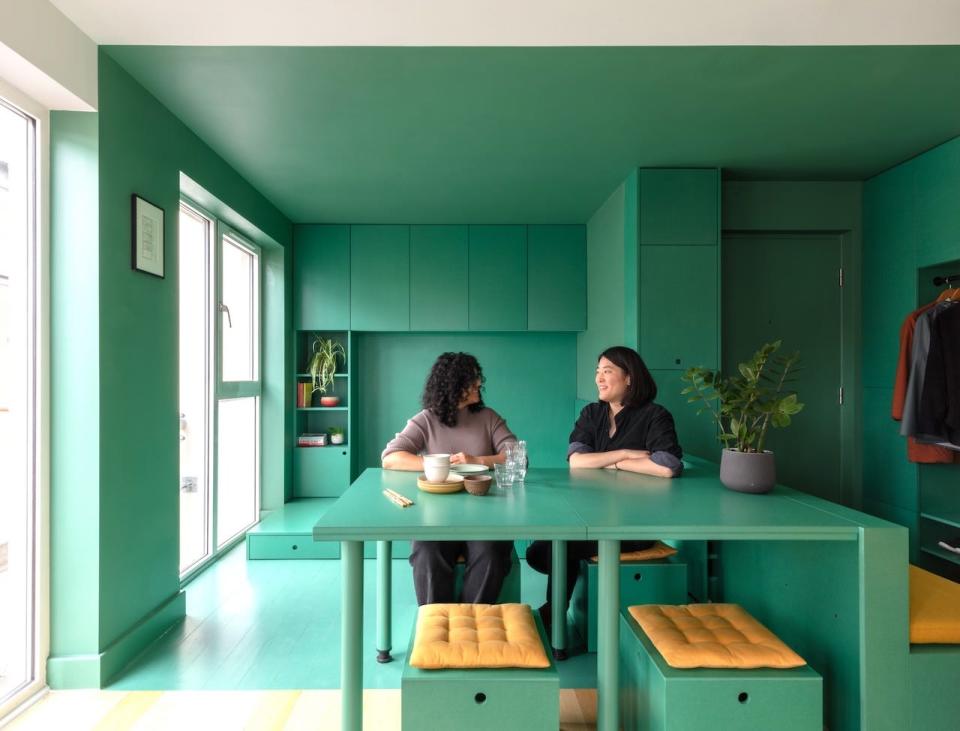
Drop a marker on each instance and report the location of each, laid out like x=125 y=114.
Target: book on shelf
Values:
x=304 y=394
x=312 y=440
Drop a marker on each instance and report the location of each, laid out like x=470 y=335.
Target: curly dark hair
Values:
x=450 y=377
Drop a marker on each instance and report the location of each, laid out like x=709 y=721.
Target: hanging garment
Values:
x=917 y=452
x=938 y=413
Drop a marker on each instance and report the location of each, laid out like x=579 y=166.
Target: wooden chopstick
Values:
x=398 y=499
x=402 y=498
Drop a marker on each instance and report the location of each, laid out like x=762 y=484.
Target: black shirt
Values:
x=649 y=427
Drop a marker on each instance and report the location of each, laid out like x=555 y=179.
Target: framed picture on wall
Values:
x=147 y=236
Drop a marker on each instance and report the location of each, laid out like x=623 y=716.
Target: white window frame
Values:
x=228 y=389
x=39 y=311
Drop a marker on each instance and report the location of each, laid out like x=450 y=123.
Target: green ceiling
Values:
x=498 y=135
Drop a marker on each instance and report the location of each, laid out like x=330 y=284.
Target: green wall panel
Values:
x=697 y=433
x=380 y=278
x=887 y=475
x=498 y=278
x=679 y=207
x=936 y=195
x=438 y=278
x=530 y=382
x=321 y=277
x=678 y=306
x=889 y=267
x=75 y=391
x=557 y=278
x=605 y=301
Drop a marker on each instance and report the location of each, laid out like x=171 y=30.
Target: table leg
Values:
x=608 y=636
x=558 y=600
x=351 y=662
x=384 y=600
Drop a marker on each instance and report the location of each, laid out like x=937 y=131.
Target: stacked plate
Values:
x=453 y=483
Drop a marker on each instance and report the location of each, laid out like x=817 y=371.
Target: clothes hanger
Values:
x=951 y=294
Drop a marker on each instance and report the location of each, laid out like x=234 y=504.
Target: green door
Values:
x=321 y=277
x=786 y=287
x=498 y=278
x=438 y=278
x=380 y=278
x=557 y=281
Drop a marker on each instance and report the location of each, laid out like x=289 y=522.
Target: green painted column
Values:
x=608 y=631
x=384 y=600
x=351 y=661
x=558 y=600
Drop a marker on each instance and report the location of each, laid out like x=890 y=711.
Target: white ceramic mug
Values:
x=436 y=467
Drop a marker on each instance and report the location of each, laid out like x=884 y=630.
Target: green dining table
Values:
x=785 y=547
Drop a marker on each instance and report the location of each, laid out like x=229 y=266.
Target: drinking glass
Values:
x=504 y=474
x=521 y=460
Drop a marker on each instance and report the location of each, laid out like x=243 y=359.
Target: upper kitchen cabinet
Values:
x=380 y=278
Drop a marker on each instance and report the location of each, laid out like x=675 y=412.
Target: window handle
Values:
x=223 y=308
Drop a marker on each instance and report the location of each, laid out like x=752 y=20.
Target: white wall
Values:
x=518 y=22
x=46 y=56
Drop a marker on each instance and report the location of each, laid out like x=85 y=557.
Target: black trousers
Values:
x=487 y=565
x=540 y=558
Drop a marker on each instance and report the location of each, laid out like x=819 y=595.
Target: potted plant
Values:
x=336 y=435
x=745 y=406
x=325 y=352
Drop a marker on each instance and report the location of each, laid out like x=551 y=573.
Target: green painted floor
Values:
x=276 y=624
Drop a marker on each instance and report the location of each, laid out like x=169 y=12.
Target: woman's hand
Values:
x=464 y=458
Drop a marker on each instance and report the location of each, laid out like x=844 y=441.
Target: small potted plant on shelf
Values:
x=336 y=435
x=324 y=355
x=744 y=407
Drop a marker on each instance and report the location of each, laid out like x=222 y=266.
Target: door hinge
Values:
x=840 y=399
x=841 y=276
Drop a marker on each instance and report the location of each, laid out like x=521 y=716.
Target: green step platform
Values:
x=657 y=697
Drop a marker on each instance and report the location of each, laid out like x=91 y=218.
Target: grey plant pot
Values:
x=754 y=472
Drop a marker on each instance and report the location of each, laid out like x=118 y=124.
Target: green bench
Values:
x=657 y=697
x=480 y=699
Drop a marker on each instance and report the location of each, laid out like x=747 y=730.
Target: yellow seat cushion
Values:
x=477 y=636
x=657 y=550
x=934 y=609
x=712 y=636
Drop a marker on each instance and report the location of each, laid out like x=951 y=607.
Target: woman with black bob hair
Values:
x=623 y=430
x=454 y=421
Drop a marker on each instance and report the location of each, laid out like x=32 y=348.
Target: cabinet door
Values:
x=498 y=278
x=557 y=278
x=679 y=207
x=380 y=278
x=678 y=306
x=320 y=471
x=321 y=277
x=438 y=278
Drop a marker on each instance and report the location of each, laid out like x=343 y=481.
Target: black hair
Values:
x=642 y=389
x=450 y=377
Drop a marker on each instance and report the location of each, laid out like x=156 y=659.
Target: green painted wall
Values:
x=74 y=385
x=143 y=149
x=606 y=302
x=810 y=207
x=531 y=382
x=911 y=225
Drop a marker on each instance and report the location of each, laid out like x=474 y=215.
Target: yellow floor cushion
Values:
x=712 y=636
x=477 y=636
x=934 y=609
x=657 y=550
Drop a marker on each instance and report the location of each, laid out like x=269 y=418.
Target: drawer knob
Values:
x=743 y=697
x=480 y=698
x=295 y=546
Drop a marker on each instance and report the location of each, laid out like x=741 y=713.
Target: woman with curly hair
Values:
x=454 y=421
